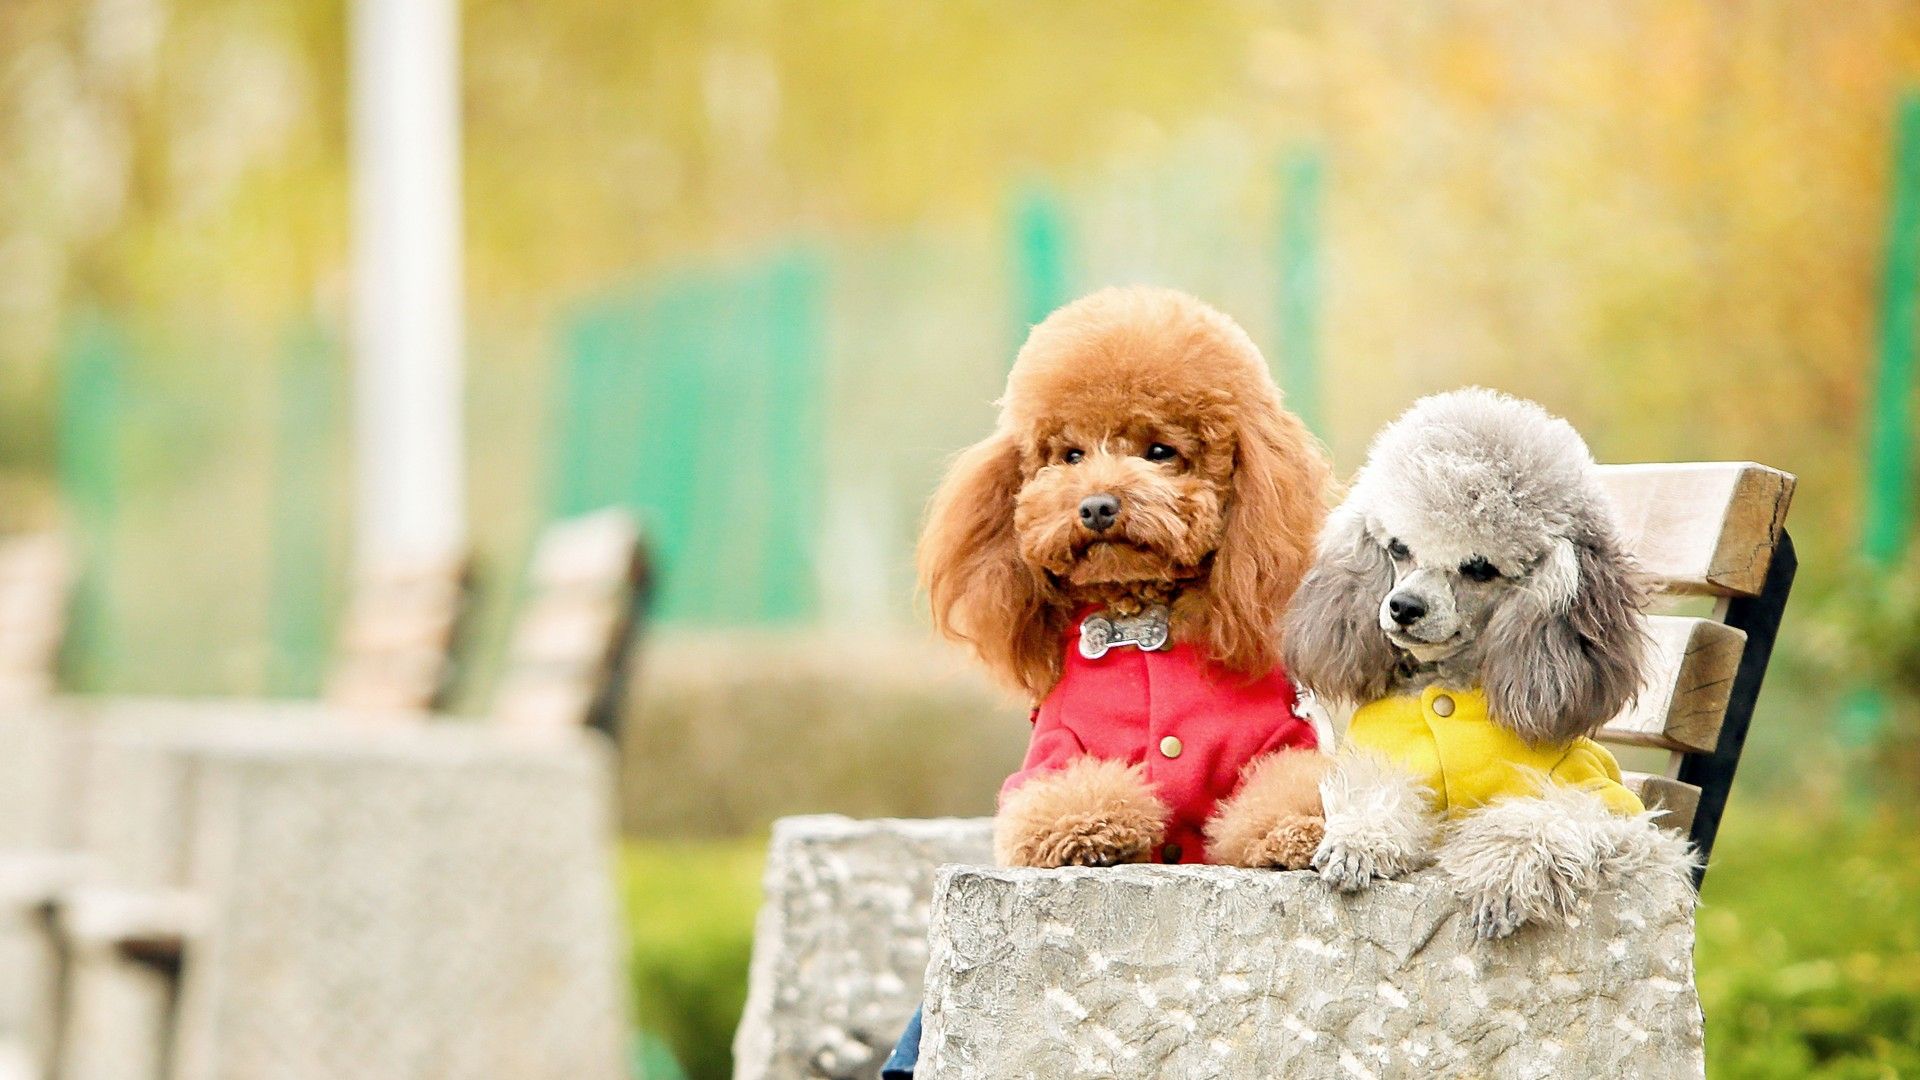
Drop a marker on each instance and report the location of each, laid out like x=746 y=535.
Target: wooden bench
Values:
x=840 y=948
x=397 y=638
x=307 y=901
x=571 y=654
x=36 y=583
x=1145 y=971
x=568 y=659
x=142 y=946
x=1714 y=530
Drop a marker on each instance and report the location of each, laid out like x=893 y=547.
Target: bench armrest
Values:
x=145 y=924
x=38 y=878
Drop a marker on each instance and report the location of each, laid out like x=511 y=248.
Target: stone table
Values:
x=841 y=943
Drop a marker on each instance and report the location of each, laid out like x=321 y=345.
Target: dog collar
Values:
x=1148 y=631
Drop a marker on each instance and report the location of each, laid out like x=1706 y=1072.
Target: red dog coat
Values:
x=1193 y=723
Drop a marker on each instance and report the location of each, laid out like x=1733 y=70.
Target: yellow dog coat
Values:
x=1449 y=742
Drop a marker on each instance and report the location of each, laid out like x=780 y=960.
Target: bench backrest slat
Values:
x=1685 y=699
x=1702 y=527
x=567 y=662
x=398 y=635
x=1715 y=529
x=36 y=582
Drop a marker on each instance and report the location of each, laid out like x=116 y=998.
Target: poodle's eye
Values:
x=1478 y=569
x=1161 y=452
x=1072 y=457
x=1399 y=550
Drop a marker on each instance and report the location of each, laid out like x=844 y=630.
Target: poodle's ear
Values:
x=1280 y=484
x=1568 y=652
x=1334 y=644
x=983 y=593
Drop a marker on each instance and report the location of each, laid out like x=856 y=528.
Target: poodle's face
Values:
x=1476 y=542
x=1442 y=597
x=1122 y=501
x=1142 y=449
x=1447 y=578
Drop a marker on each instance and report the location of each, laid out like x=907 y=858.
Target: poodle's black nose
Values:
x=1097 y=512
x=1406 y=610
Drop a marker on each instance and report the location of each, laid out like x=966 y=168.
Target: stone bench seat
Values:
x=1207 y=972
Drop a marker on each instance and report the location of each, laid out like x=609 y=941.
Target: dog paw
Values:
x=1345 y=866
x=1289 y=845
x=1494 y=916
x=1092 y=813
x=1090 y=841
x=1524 y=891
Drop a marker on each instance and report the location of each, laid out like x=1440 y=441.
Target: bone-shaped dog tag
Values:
x=1148 y=631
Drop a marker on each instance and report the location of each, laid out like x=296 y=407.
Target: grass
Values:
x=1809 y=947
x=1808 y=959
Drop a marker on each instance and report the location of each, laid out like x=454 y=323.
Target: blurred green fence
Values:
x=202 y=468
x=89 y=477
x=696 y=401
x=776 y=422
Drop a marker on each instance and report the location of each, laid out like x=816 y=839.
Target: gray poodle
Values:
x=1472 y=599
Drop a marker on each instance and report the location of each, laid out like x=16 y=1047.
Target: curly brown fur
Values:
x=1223 y=527
x=1275 y=819
x=1091 y=813
x=982 y=591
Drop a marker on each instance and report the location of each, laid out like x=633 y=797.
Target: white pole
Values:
x=408 y=306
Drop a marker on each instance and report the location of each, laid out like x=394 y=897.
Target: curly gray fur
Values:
x=1332 y=640
x=1553 y=676
x=1378 y=823
x=1556 y=637
x=1531 y=860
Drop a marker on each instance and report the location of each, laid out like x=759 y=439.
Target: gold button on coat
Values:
x=1442 y=705
x=1170 y=746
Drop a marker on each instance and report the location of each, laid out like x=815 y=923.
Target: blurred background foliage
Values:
x=756 y=267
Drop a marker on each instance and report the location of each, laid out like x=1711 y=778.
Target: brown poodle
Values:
x=1145 y=487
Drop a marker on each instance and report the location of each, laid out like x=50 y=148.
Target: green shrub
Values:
x=1867 y=637
x=731 y=731
x=690 y=909
x=1809 y=947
